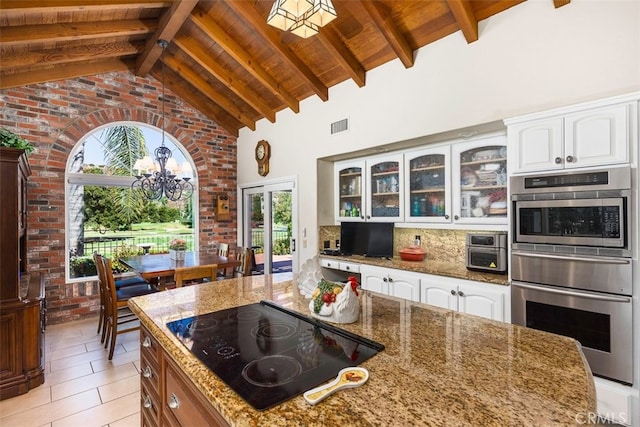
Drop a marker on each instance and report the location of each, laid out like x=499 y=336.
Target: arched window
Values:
x=103 y=213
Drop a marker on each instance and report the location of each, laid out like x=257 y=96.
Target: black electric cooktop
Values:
x=268 y=354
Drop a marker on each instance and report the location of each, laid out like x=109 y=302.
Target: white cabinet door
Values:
x=439 y=294
x=479 y=170
x=385 y=188
x=597 y=137
x=536 y=145
x=482 y=300
x=349 y=190
x=404 y=285
x=392 y=282
x=374 y=279
x=428 y=185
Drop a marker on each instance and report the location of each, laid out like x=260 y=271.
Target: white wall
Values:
x=530 y=58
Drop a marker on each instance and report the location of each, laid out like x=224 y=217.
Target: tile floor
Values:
x=81 y=388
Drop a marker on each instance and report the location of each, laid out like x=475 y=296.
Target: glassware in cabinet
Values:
x=350 y=190
x=483 y=182
x=385 y=189
x=428 y=185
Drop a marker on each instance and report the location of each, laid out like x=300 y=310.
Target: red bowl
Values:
x=412 y=254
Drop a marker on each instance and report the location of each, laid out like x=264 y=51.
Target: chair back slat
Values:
x=223 y=249
x=244 y=256
x=189 y=274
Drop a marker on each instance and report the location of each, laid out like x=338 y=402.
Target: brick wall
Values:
x=56 y=115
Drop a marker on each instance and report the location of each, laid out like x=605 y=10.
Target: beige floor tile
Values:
x=36 y=397
x=130 y=421
x=116 y=389
x=95 y=380
x=120 y=358
x=67 y=374
x=63 y=352
x=78 y=359
x=54 y=410
x=102 y=414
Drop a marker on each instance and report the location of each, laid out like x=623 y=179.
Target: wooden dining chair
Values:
x=244 y=255
x=119 y=283
x=118 y=321
x=193 y=275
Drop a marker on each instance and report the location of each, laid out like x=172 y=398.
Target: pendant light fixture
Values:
x=301 y=17
x=159 y=178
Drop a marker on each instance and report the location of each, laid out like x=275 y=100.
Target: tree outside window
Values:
x=104 y=214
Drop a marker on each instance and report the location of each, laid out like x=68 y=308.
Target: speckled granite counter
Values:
x=439 y=367
x=428 y=266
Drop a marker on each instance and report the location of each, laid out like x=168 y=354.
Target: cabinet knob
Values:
x=456 y=217
x=570 y=159
x=461 y=293
x=453 y=292
x=446 y=217
x=173 y=403
x=146 y=342
x=390 y=279
x=347 y=268
x=147 y=402
x=368 y=217
x=558 y=160
x=146 y=372
x=384 y=279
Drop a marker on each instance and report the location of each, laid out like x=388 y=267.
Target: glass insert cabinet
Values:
x=461 y=182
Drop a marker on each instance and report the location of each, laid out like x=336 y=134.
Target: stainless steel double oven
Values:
x=571 y=262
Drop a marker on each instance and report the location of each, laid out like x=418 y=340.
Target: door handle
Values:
x=293 y=245
x=610 y=298
x=575 y=258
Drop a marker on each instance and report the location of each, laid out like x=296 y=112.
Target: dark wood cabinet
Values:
x=168 y=396
x=22 y=301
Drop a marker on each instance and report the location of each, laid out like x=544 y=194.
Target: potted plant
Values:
x=177 y=248
x=11 y=140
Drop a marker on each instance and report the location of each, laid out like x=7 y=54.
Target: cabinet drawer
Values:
x=185 y=403
x=149 y=347
x=149 y=374
x=330 y=263
x=350 y=267
x=150 y=404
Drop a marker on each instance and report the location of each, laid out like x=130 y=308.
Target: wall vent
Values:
x=340 y=126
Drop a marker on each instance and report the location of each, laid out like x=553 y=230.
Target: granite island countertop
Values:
x=428 y=266
x=439 y=367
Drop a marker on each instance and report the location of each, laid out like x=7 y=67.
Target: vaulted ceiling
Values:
x=222 y=56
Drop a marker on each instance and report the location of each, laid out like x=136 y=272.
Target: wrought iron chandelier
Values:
x=159 y=177
x=301 y=17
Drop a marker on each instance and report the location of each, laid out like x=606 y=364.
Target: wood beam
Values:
x=170 y=23
x=63 y=72
x=53 y=33
x=250 y=64
x=258 y=24
x=342 y=55
x=201 y=84
x=52 y=6
x=176 y=84
x=463 y=13
x=200 y=56
x=391 y=33
x=68 y=54
x=560 y=3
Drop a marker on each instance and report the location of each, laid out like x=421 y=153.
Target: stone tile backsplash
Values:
x=441 y=245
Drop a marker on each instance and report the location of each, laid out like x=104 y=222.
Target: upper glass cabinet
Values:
x=427 y=179
x=349 y=178
x=482 y=176
x=385 y=188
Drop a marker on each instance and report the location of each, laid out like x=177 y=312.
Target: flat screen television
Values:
x=372 y=239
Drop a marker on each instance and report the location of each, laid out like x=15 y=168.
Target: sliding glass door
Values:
x=269 y=226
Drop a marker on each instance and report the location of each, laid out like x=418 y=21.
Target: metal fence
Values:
x=143 y=244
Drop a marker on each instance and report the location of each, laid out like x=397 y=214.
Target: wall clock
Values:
x=263 y=154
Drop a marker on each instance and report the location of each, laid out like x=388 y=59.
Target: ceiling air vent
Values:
x=339 y=126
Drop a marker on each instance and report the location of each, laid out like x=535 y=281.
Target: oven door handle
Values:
x=576 y=258
x=574 y=293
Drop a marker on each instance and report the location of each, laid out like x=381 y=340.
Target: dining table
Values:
x=158 y=267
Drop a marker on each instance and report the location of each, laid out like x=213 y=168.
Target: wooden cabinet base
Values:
x=21 y=349
x=180 y=403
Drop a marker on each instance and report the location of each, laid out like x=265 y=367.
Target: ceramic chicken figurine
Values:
x=335 y=302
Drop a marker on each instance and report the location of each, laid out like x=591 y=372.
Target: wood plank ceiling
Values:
x=222 y=56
